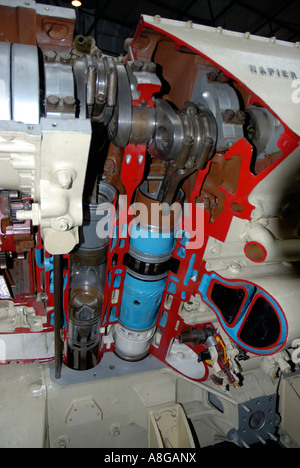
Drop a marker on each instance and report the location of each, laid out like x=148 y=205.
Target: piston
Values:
x=85 y=305
x=87 y=278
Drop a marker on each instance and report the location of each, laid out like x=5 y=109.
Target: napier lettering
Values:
x=275 y=72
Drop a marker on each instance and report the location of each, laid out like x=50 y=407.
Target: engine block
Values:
x=150 y=235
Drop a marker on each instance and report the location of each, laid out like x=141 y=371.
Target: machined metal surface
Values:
x=97 y=221
x=223 y=102
x=25 y=86
x=79 y=68
x=257 y=419
x=212 y=290
x=5 y=97
x=185 y=139
x=119 y=127
x=59 y=86
x=168 y=138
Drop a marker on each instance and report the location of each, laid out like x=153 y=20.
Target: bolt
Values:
x=91 y=69
x=246 y=408
x=62 y=442
x=261 y=439
x=165 y=137
x=115 y=430
x=65 y=57
x=192 y=110
x=65 y=179
x=235 y=267
x=109 y=166
x=53 y=100
x=128 y=158
x=215 y=250
x=213 y=75
x=97 y=53
x=63 y=224
x=240 y=116
x=69 y=101
x=27 y=205
x=140 y=158
x=228 y=115
x=244 y=444
x=137 y=65
x=50 y=55
x=150 y=67
x=100 y=98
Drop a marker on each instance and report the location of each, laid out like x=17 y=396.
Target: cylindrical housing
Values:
x=141 y=300
x=152 y=240
x=95 y=231
x=87 y=277
x=155 y=224
x=85 y=305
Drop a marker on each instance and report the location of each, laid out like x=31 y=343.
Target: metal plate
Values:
x=25 y=84
x=5 y=103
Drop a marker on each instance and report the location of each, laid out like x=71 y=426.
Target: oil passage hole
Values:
x=137 y=303
x=257 y=420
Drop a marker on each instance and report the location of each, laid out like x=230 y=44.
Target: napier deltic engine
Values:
x=149 y=236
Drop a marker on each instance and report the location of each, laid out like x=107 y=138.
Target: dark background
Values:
x=110 y=22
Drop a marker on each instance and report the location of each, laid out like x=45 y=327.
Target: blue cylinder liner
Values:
x=151 y=242
x=141 y=300
x=151 y=246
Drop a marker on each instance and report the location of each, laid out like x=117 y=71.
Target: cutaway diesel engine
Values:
x=149 y=235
